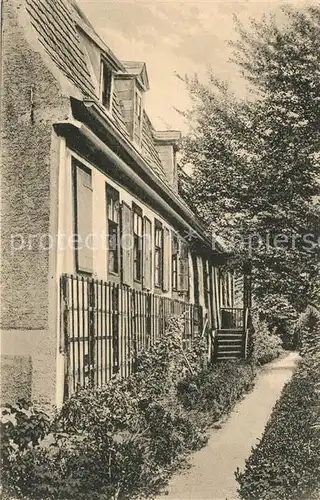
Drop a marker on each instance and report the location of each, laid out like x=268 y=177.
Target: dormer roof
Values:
x=170 y=137
x=59 y=26
x=139 y=71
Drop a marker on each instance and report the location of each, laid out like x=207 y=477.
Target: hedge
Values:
x=307 y=331
x=265 y=345
x=286 y=462
x=125 y=440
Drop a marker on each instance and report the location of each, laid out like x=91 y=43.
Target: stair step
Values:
x=227 y=358
x=229 y=337
x=236 y=347
x=230 y=330
x=229 y=334
x=229 y=353
x=222 y=340
x=235 y=351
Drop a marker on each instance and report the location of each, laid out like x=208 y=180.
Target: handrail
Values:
x=231 y=308
x=246 y=331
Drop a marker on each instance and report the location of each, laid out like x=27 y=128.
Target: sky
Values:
x=175 y=37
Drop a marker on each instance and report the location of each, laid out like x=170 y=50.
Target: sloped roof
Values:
x=57 y=32
x=56 y=24
x=138 y=69
x=133 y=67
x=149 y=149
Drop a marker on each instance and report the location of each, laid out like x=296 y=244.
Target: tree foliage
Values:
x=257 y=160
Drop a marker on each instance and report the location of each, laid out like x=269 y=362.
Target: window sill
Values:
x=85 y=274
x=113 y=273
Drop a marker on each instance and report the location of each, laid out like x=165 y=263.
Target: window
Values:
x=158 y=264
x=138 y=107
x=106 y=85
x=180 y=265
x=205 y=282
x=83 y=217
x=175 y=251
x=137 y=243
x=126 y=244
x=147 y=254
x=113 y=229
x=183 y=267
x=166 y=254
x=137 y=118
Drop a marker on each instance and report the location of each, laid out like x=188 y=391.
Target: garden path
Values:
x=212 y=469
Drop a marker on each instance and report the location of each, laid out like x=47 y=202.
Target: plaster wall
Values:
x=29 y=206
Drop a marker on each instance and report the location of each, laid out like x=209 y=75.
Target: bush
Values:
x=265 y=346
x=216 y=389
x=123 y=440
x=286 y=462
x=308 y=331
x=280 y=317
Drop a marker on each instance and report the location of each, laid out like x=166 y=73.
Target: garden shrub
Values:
x=216 y=389
x=280 y=317
x=126 y=439
x=286 y=462
x=308 y=331
x=265 y=345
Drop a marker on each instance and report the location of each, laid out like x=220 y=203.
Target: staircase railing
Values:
x=233 y=336
x=232 y=318
x=246 y=332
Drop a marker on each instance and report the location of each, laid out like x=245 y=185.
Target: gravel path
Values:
x=212 y=472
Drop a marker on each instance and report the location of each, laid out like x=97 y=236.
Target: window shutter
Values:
x=84 y=251
x=166 y=259
x=126 y=244
x=205 y=283
x=147 y=256
x=196 y=279
x=183 y=268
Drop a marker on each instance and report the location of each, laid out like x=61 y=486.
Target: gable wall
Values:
x=29 y=168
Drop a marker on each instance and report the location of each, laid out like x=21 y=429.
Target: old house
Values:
x=98 y=246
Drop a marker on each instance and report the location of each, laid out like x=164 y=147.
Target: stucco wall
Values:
x=31 y=102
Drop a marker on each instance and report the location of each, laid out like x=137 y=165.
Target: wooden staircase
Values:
x=229 y=344
x=232 y=338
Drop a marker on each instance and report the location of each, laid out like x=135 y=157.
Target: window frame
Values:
x=78 y=165
x=183 y=258
x=175 y=263
x=158 y=251
x=137 y=216
x=147 y=262
x=138 y=97
x=113 y=195
x=105 y=66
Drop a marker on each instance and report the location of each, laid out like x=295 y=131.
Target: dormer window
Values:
x=138 y=107
x=137 y=123
x=131 y=86
x=106 y=85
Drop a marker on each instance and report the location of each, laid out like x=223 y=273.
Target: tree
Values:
x=257 y=162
